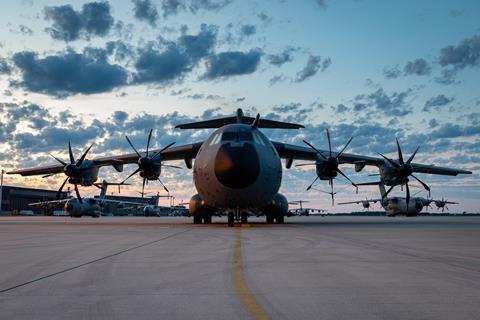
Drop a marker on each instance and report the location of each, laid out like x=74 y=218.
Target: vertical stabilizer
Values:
x=103 y=189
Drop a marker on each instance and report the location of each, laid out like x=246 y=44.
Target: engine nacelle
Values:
x=278 y=205
x=149 y=211
x=74 y=208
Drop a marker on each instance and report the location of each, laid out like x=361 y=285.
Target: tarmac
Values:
x=309 y=268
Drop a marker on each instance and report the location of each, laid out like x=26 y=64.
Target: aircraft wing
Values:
x=187 y=151
x=57 y=168
x=43 y=203
x=361 y=201
x=289 y=151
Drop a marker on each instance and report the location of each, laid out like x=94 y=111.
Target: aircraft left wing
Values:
x=185 y=152
x=293 y=152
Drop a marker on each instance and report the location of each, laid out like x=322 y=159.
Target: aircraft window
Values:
x=229 y=136
x=245 y=136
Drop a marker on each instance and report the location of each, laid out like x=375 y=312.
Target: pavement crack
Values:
x=92 y=261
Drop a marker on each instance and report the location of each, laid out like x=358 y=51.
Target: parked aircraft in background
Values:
x=301 y=211
x=238 y=170
x=442 y=204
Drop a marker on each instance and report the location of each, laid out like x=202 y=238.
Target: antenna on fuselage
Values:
x=239 y=115
x=256 y=121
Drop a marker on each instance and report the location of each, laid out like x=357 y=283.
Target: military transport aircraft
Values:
x=442 y=204
x=78 y=207
x=238 y=170
x=395 y=205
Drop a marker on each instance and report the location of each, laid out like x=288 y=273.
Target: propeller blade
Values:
x=148 y=141
x=331 y=191
x=49 y=175
x=131 y=145
x=133 y=173
x=316 y=150
x=70 y=153
x=423 y=184
x=310 y=186
x=143 y=186
x=393 y=163
x=80 y=161
x=162 y=185
x=163 y=149
x=400 y=155
x=78 y=194
x=345 y=176
x=413 y=155
x=388 y=191
x=60 y=189
x=345 y=147
x=408 y=193
x=61 y=161
x=171 y=166
x=329 y=142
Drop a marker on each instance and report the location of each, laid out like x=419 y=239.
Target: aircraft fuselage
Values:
x=237 y=167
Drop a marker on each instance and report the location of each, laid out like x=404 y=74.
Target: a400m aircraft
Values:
x=237 y=169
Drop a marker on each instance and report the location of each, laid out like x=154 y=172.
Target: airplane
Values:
x=78 y=207
x=302 y=211
x=238 y=169
x=395 y=205
x=81 y=172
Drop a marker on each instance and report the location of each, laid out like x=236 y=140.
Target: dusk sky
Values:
x=374 y=70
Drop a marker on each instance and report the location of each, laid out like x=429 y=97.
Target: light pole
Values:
x=1 y=190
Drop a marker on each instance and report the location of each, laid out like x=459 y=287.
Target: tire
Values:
x=244 y=217
x=269 y=218
x=280 y=219
x=231 y=219
x=197 y=219
x=207 y=219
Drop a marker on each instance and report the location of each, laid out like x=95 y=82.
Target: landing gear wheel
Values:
x=269 y=218
x=207 y=219
x=244 y=217
x=197 y=219
x=280 y=219
x=231 y=219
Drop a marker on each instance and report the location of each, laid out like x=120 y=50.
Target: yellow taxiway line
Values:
x=253 y=307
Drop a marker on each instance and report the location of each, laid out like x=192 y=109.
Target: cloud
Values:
x=68 y=25
x=322 y=4
x=312 y=67
x=200 y=45
x=281 y=58
x=466 y=54
x=68 y=73
x=173 y=7
x=4 y=66
x=248 y=30
x=391 y=72
x=393 y=104
x=419 y=67
x=232 y=63
x=145 y=10
x=276 y=79
x=437 y=101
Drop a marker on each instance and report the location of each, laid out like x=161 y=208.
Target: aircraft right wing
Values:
x=361 y=201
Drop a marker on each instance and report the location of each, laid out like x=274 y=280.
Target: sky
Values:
x=95 y=71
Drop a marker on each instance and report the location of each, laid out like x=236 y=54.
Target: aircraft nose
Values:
x=237 y=167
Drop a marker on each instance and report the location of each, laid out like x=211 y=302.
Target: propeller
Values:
x=327 y=166
x=403 y=170
x=149 y=165
x=72 y=170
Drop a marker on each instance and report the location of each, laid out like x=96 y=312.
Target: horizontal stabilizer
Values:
x=217 y=123
x=239 y=118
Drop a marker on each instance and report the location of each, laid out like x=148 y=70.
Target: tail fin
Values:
x=239 y=118
x=104 y=185
x=103 y=189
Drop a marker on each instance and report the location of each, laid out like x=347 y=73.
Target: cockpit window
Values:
x=237 y=136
